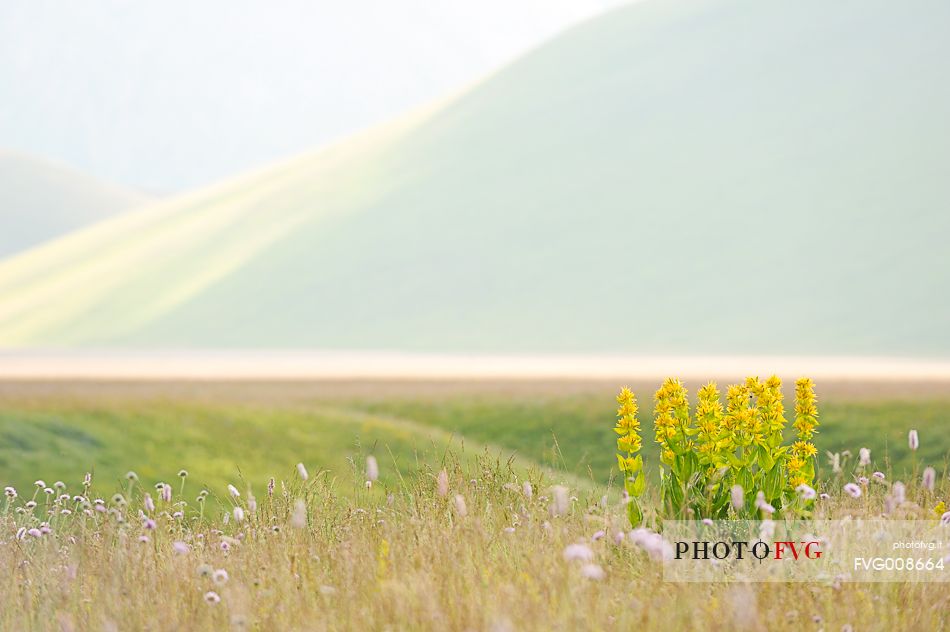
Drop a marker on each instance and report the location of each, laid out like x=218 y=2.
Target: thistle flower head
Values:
x=443 y=483
x=578 y=553
x=233 y=491
x=593 y=572
x=460 y=507
x=220 y=577
x=913 y=440
x=806 y=492
x=372 y=468
x=852 y=490
x=737 y=496
x=212 y=598
x=928 y=479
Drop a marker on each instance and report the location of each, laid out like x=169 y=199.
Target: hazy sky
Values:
x=170 y=95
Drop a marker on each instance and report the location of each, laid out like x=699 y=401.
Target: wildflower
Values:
x=864 y=456
x=205 y=570
x=180 y=547
x=928 y=479
x=806 y=492
x=578 y=552
x=132 y=476
x=149 y=503
x=212 y=598
x=233 y=491
x=225 y=546
x=852 y=490
x=878 y=476
x=628 y=426
x=738 y=497
x=945 y=519
x=270 y=486
x=443 y=483
x=149 y=524
x=598 y=535
x=824 y=496
x=36 y=533
x=561 y=501
x=671 y=411
x=40 y=483
x=143 y=538
x=30 y=504
x=527 y=490
x=460 y=507
x=166 y=492
x=593 y=571
x=806 y=411
x=10 y=492
x=49 y=491
x=913 y=440
x=251 y=503
x=238 y=514
x=298 y=519
x=863 y=480
x=59 y=485
x=302 y=472
x=220 y=577
x=183 y=473
x=372 y=468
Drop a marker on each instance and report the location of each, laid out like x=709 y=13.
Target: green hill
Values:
x=40 y=200
x=696 y=177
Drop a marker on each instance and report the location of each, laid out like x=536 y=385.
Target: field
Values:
x=470 y=551
x=218 y=430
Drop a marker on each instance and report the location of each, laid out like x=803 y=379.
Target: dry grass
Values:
x=405 y=559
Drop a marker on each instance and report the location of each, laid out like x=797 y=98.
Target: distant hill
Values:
x=673 y=177
x=40 y=200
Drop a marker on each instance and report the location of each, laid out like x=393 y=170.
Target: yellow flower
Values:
x=804 y=449
x=629 y=443
x=797 y=479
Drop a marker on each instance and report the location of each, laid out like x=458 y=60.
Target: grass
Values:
x=329 y=553
x=60 y=437
x=311 y=557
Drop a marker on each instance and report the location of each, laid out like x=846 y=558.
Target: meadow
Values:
x=484 y=507
x=219 y=430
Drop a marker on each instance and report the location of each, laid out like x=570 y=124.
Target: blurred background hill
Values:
x=670 y=177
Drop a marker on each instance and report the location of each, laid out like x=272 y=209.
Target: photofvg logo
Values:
x=743 y=549
x=823 y=551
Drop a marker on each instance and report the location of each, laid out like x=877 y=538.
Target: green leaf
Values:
x=637 y=486
x=773 y=483
x=634 y=513
x=766 y=462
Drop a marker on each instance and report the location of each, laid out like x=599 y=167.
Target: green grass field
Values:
x=220 y=434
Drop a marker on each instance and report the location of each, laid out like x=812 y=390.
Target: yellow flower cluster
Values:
x=739 y=445
x=800 y=463
x=671 y=422
x=628 y=427
x=773 y=411
x=709 y=422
